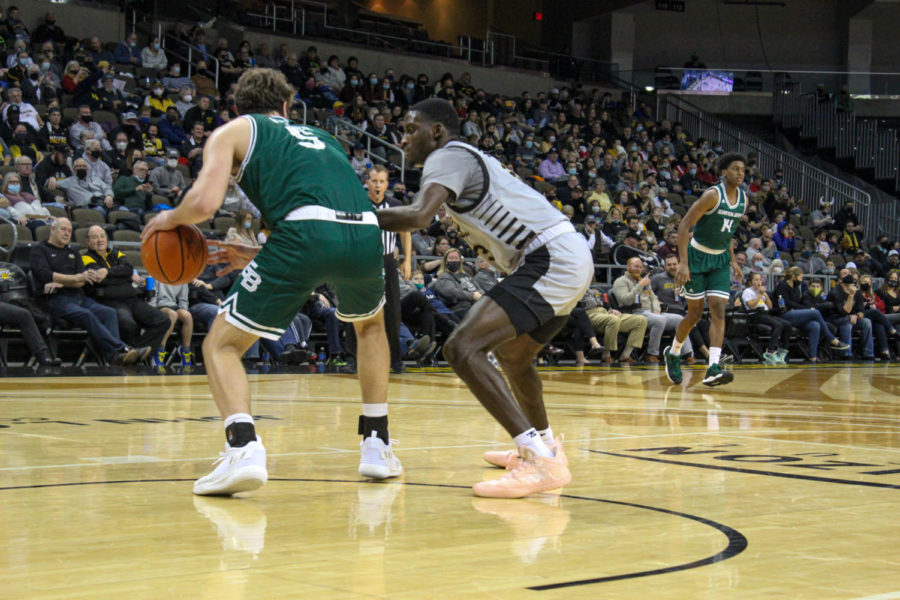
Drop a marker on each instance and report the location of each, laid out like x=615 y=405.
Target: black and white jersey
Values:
x=388 y=238
x=498 y=214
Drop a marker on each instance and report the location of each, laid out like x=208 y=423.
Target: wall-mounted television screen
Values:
x=706 y=82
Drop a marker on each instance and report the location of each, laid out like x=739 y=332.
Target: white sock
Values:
x=676 y=347
x=714 y=355
x=547 y=435
x=532 y=440
x=238 y=418
x=375 y=410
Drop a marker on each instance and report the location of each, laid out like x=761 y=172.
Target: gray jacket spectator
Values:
x=457 y=290
x=84 y=190
x=167 y=180
x=485 y=278
x=85 y=121
x=94 y=158
x=171 y=296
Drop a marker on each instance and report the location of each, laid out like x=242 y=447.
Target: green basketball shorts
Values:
x=299 y=256
x=710 y=275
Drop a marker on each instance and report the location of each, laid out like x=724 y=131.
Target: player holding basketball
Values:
x=323 y=228
x=550 y=268
x=707 y=260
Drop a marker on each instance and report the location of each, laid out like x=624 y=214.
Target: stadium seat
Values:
x=222 y=224
x=85 y=217
x=117 y=215
x=126 y=235
x=56 y=211
x=80 y=236
x=42 y=233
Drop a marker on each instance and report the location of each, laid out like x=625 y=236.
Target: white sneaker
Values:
x=377 y=460
x=237 y=470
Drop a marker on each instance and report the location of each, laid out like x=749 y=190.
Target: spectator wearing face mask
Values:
x=242 y=230
x=847 y=314
x=96 y=165
x=51 y=171
x=454 y=286
x=133 y=192
x=153 y=57
x=166 y=179
x=87 y=191
x=86 y=122
x=170 y=129
x=127 y=51
x=185 y=101
x=882 y=328
x=157 y=100
x=174 y=81
x=889 y=293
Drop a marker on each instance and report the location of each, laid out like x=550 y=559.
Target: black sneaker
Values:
x=418 y=348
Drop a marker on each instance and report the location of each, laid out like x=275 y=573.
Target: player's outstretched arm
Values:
x=417 y=215
x=225 y=148
x=704 y=204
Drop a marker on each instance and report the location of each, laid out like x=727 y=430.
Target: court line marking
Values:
x=753 y=471
x=737 y=542
x=480 y=444
x=48 y=437
x=884 y=596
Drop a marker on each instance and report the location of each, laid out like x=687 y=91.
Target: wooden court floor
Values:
x=784 y=484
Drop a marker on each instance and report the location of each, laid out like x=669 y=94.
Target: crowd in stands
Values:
x=96 y=136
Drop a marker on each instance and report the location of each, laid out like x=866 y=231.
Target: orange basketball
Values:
x=176 y=256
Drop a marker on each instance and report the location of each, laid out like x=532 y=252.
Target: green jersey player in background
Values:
x=707 y=260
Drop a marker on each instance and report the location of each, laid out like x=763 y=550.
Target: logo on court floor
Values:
x=828 y=467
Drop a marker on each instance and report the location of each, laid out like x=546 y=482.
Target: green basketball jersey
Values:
x=288 y=166
x=716 y=228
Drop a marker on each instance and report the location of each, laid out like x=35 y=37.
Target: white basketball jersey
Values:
x=505 y=217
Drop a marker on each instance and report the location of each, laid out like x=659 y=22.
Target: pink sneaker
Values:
x=509 y=459
x=533 y=474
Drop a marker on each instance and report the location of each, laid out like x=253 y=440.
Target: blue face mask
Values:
x=693 y=171
x=573 y=171
x=529 y=143
x=386 y=86
x=373 y=81
x=410 y=85
x=354 y=82
x=14 y=188
x=248 y=224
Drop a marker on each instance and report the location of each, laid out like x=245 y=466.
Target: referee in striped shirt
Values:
x=378 y=184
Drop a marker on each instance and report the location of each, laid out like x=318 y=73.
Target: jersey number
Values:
x=306 y=137
x=250 y=279
x=726 y=224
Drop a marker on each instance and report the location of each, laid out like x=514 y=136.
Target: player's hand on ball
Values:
x=161 y=222
x=237 y=255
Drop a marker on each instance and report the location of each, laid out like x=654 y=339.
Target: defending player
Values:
x=707 y=260
x=550 y=268
x=323 y=228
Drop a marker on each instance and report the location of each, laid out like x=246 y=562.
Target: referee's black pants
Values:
x=392 y=307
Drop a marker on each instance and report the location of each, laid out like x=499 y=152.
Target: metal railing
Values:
x=870 y=144
x=804 y=181
x=189 y=59
x=343 y=129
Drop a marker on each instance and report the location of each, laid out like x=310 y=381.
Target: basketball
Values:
x=176 y=256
